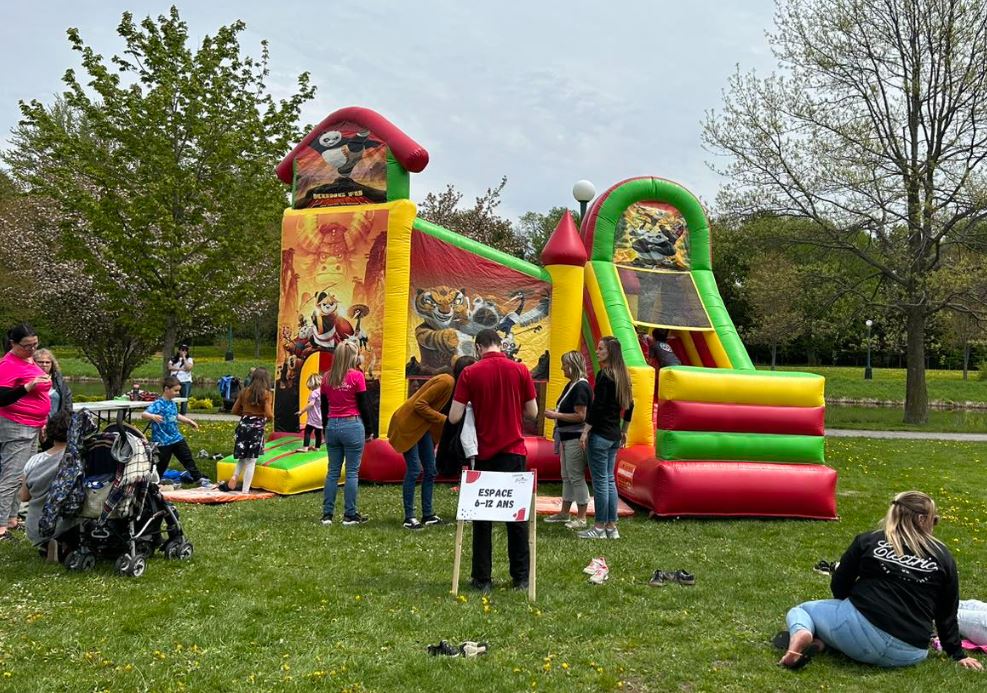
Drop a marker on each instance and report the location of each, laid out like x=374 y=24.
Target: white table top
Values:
x=117 y=405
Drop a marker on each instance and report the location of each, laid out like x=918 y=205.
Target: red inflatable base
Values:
x=381 y=464
x=726 y=489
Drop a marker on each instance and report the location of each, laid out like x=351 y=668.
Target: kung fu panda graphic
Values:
x=328 y=328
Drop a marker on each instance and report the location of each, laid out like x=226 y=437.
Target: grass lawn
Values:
x=889 y=384
x=889 y=419
x=274 y=600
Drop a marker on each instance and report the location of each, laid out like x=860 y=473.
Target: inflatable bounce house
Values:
x=715 y=438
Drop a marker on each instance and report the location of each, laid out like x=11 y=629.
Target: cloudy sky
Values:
x=543 y=91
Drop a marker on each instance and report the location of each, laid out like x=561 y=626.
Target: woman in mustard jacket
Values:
x=414 y=428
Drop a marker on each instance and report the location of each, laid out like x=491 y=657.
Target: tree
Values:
x=874 y=133
x=535 y=229
x=772 y=289
x=479 y=222
x=160 y=167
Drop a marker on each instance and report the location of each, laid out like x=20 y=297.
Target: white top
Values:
x=182 y=369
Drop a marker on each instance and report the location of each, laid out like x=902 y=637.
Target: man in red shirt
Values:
x=501 y=392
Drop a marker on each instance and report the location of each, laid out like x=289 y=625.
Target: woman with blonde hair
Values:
x=605 y=432
x=890 y=586
x=60 y=394
x=346 y=414
x=569 y=415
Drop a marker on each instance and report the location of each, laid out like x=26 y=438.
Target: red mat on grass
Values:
x=212 y=496
x=550 y=505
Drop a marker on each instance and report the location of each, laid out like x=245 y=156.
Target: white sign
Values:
x=495 y=496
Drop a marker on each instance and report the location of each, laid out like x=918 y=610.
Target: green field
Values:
x=272 y=600
x=889 y=384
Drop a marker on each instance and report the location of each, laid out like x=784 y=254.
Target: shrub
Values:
x=982 y=367
x=204 y=403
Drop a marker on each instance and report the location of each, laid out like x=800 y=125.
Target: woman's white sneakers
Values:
x=597 y=570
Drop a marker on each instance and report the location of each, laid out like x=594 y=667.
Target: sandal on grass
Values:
x=805 y=656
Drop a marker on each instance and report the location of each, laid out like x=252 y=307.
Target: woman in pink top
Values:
x=346 y=415
x=24 y=409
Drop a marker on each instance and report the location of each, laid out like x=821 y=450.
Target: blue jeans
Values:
x=420 y=454
x=344 y=438
x=601 y=454
x=838 y=624
x=186 y=391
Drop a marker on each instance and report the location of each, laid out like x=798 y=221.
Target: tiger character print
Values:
x=440 y=307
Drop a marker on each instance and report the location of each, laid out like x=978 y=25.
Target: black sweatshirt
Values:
x=9 y=395
x=901 y=595
x=603 y=414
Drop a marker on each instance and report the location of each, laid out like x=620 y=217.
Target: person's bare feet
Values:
x=796 y=646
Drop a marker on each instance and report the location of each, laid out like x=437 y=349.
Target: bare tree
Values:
x=876 y=131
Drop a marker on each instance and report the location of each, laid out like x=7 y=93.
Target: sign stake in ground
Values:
x=496 y=497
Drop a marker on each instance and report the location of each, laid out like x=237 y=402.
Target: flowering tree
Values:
x=160 y=168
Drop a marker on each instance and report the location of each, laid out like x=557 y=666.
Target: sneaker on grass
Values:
x=600 y=576
x=613 y=533
x=204 y=482
x=593 y=533
x=327 y=519
x=659 y=578
x=596 y=564
x=558 y=518
x=355 y=519
x=412 y=523
x=430 y=520
x=576 y=523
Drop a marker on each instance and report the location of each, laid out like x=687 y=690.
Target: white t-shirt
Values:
x=184 y=375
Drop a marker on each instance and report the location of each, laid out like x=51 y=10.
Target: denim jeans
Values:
x=418 y=455
x=838 y=624
x=601 y=454
x=344 y=438
x=186 y=391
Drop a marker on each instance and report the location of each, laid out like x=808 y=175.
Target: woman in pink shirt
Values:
x=24 y=409
x=346 y=415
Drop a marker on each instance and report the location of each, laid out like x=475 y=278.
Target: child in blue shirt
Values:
x=164 y=417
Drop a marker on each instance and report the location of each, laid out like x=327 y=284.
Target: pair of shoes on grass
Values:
x=599 y=533
x=469 y=648
x=660 y=578
x=427 y=521
x=598 y=570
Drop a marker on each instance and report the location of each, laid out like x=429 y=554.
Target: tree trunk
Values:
x=257 y=335
x=916 y=391
x=774 y=355
x=168 y=347
x=811 y=357
x=966 y=359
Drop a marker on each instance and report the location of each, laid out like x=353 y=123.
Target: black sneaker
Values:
x=327 y=519
x=683 y=578
x=412 y=523
x=356 y=519
x=824 y=568
x=659 y=579
x=482 y=586
x=432 y=520
x=443 y=648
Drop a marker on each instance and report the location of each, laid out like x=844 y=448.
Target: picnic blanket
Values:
x=213 y=496
x=967 y=645
x=549 y=505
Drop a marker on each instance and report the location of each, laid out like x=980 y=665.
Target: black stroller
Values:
x=123 y=515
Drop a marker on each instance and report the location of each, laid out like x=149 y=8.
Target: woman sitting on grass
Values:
x=890 y=586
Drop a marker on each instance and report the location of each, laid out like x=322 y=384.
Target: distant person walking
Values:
x=413 y=430
x=180 y=366
x=24 y=408
x=255 y=405
x=569 y=416
x=346 y=413
x=501 y=392
x=605 y=432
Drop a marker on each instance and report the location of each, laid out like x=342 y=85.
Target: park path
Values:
x=831 y=432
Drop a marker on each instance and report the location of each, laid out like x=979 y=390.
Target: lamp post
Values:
x=583 y=191
x=868 y=372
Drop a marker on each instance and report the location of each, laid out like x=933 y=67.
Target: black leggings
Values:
x=184 y=455
x=318 y=436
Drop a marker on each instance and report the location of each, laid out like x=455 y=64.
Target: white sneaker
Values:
x=557 y=518
x=593 y=533
x=596 y=564
x=613 y=533
x=576 y=523
x=600 y=576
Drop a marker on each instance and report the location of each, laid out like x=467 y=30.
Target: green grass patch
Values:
x=889 y=419
x=889 y=384
x=273 y=600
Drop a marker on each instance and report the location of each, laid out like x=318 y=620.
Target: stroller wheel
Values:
x=122 y=564
x=137 y=567
x=185 y=551
x=171 y=549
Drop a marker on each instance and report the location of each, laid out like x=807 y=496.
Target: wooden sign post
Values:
x=496 y=497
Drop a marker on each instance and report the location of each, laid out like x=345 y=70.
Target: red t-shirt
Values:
x=342 y=399
x=498 y=388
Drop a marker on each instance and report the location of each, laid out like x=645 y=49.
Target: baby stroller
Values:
x=123 y=515
x=229 y=389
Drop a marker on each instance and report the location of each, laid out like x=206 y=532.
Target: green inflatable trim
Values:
x=739 y=447
x=483 y=251
x=398 y=180
x=615 y=304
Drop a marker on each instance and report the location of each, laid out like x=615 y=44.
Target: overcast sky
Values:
x=543 y=91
